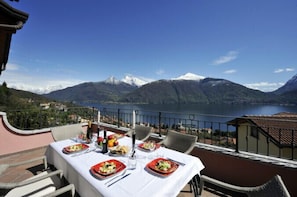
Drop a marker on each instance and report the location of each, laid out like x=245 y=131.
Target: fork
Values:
x=87 y=151
x=122 y=174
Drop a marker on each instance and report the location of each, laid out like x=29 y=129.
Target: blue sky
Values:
x=63 y=43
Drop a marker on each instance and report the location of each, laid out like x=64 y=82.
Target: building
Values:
x=268 y=135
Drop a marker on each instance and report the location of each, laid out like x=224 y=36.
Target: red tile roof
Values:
x=281 y=127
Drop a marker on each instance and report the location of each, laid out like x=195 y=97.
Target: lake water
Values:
x=206 y=109
x=202 y=112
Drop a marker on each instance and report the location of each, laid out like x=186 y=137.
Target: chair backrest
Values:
x=66 y=131
x=143 y=132
x=274 y=187
x=180 y=141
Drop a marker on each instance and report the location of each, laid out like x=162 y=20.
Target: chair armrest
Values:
x=30 y=161
x=222 y=184
x=31 y=180
x=62 y=190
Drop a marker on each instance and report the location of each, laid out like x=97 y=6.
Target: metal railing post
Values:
x=118 y=118
x=160 y=124
x=236 y=136
x=279 y=139
x=292 y=145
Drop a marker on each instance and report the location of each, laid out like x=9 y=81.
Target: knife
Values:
x=116 y=176
x=178 y=162
x=118 y=180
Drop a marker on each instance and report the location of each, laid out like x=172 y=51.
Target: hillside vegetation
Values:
x=24 y=110
x=11 y=99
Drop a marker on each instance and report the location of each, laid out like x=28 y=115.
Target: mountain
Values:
x=134 y=81
x=290 y=86
x=189 y=76
x=288 y=92
x=206 y=90
x=188 y=88
x=109 y=90
x=12 y=99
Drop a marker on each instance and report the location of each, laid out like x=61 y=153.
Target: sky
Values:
x=65 y=43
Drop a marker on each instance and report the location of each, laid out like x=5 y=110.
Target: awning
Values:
x=11 y=20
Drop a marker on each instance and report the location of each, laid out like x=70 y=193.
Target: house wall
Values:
x=287 y=153
x=249 y=143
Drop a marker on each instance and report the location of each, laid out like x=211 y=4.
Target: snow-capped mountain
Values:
x=112 y=80
x=135 y=81
x=138 y=82
x=189 y=76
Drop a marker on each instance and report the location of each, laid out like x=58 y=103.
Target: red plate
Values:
x=152 y=166
x=96 y=172
x=142 y=147
x=75 y=148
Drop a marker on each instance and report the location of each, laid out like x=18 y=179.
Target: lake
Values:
x=202 y=112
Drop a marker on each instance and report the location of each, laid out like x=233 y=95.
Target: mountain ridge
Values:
x=189 y=88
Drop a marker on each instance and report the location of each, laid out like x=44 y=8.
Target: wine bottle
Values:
x=133 y=139
x=104 y=143
x=98 y=130
x=89 y=131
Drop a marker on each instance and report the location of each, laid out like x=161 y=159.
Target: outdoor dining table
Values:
x=140 y=181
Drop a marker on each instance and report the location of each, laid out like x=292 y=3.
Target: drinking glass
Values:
x=132 y=162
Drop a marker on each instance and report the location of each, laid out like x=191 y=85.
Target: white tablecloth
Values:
x=139 y=183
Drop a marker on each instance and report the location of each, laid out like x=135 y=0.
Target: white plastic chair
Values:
x=142 y=132
x=43 y=184
x=66 y=131
x=181 y=142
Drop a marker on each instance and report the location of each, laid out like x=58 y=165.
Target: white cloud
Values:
x=264 y=86
x=230 y=71
x=45 y=86
x=290 y=69
x=12 y=66
x=280 y=70
x=35 y=84
x=160 y=72
x=231 y=55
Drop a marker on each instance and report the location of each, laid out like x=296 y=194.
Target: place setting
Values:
x=158 y=165
x=161 y=167
x=107 y=169
x=148 y=146
x=83 y=144
x=75 y=148
x=113 y=169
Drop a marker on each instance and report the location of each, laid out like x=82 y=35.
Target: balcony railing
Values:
x=211 y=129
